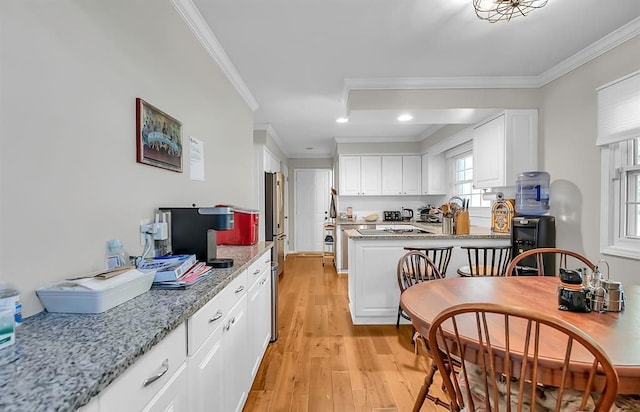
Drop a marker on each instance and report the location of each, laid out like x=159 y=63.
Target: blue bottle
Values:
x=532 y=193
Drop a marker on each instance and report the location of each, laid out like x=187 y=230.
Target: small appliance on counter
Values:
x=192 y=230
x=245 y=228
x=407 y=214
x=392 y=216
x=429 y=214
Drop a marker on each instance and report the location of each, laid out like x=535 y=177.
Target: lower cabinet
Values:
x=156 y=382
x=259 y=319
x=227 y=339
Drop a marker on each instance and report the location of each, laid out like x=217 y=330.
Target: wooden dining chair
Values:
x=486 y=261
x=441 y=256
x=545 y=261
x=415 y=267
x=505 y=349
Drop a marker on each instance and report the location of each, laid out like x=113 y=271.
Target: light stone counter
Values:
x=63 y=360
x=374 y=293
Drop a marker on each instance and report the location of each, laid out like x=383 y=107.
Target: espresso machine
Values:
x=531 y=232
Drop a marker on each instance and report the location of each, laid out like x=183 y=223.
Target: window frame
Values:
x=453 y=167
x=617 y=159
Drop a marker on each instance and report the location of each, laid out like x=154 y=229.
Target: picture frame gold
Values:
x=158 y=138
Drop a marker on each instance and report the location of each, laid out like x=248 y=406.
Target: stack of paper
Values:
x=177 y=272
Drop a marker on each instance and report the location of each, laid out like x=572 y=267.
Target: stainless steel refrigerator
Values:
x=274 y=216
x=274 y=232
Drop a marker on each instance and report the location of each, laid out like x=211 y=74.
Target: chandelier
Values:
x=498 y=10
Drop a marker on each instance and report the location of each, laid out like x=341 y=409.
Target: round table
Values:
x=617 y=332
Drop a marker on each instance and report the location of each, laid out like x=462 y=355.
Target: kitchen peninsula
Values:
x=373 y=257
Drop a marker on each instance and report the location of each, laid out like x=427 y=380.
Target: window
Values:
x=463 y=181
x=619 y=140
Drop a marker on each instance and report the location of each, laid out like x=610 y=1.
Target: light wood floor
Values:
x=321 y=362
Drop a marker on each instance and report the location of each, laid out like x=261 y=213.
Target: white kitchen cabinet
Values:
x=360 y=175
x=392 y=175
x=157 y=381
x=411 y=175
x=236 y=373
x=259 y=310
x=218 y=341
x=371 y=175
x=401 y=175
x=434 y=180
x=503 y=147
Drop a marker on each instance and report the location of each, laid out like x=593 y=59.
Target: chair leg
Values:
x=424 y=390
x=398 y=321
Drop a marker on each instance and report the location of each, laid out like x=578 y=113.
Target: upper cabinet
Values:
x=434 y=177
x=503 y=147
x=360 y=175
x=401 y=175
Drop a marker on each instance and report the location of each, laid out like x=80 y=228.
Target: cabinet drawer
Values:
x=258 y=267
x=145 y=378
x=206 y=320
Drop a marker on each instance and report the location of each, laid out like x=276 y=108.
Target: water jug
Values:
x=532 y=193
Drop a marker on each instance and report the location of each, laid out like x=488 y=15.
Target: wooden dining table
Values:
x=617 y=332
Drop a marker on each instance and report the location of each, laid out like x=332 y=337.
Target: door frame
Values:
x=292 y=222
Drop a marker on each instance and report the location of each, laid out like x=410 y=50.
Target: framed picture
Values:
x=158 y=138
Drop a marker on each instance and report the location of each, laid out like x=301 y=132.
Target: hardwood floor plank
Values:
x=322 y=362
x=321 y=397
x=342 y=393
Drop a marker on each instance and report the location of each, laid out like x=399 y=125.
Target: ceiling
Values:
x=300 y=58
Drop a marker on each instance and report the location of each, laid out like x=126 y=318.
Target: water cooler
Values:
x=531 y=232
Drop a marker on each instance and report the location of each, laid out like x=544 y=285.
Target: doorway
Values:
x=311 y=204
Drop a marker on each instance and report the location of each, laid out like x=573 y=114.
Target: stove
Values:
x=392 y=216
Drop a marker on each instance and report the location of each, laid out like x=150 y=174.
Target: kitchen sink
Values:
x=390 y=231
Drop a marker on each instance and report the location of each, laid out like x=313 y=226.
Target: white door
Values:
x=312 y=197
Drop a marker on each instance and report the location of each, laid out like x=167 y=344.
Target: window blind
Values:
x=619 y=110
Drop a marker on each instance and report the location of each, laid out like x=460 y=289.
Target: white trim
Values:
x=378 y=139
x=267 y=127
x=608 y=42
x=410 y=83
x=611 y=243
x=194 y=20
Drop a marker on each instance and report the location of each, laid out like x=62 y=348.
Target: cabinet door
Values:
x=434 y=176
x=235 y=371
x=391 y=175
x=350 y=175
x=146 y=378
x=489 y=154
x=173 y=396
x=371 y=175
x=259 y=312
x=411 y=175
x=206 y=374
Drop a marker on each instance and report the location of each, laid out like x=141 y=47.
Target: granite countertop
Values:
x=435 y=229
x=60 y=361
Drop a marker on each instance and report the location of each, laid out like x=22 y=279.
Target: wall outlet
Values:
x=144 y=224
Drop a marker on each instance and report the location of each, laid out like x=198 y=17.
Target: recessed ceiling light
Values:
x=405 y=117
x=342 y=119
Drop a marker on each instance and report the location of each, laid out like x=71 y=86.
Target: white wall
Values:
x=71 y=72
x=567 y=145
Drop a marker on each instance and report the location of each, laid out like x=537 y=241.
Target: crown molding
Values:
x=194 y=20
x=408 y=83
x=271 y=131
x=608 y=42
x=379 y=139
